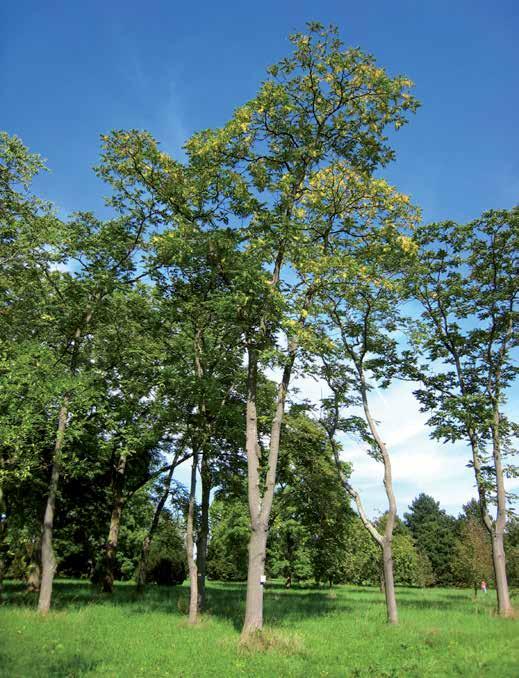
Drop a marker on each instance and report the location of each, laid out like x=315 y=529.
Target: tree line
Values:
x=147 y=340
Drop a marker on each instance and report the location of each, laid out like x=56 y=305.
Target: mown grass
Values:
x=310 y=632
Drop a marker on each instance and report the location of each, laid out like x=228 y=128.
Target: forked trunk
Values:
x=389 y=583
x=260 y=504
x=48 y=559
x=191 y=562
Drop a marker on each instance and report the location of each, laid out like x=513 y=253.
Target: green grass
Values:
x=443 y=632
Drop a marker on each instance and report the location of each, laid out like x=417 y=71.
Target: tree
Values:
x=465 y=279
x=27 y=225
x=472 y=556
x=321 y=104
x=361 y=305
x=229 y=535
x=434 y=533
x=310 y=516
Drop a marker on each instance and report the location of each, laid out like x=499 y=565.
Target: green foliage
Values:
x=227 y=551
x=434 y=533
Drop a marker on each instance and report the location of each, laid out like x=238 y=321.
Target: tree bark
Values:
x=203 y=533
x=504 y=605
x=48 y=559
x=254 y=603
x=115 y=524
x=387 y=542
x=389 y=582
x=191 y=562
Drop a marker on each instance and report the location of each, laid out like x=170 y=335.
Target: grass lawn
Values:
x=442 y=632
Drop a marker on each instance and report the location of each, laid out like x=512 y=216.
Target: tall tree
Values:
x=466 y=281
x=321 y=104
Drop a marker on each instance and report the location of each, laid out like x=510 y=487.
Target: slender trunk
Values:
x=146 y=544
x=387 y=542
x=115 y=524
x=254 y=604
x=389 y=583
x=191 y=562
x=48 y=559
x=504 y=605
x=203 y=534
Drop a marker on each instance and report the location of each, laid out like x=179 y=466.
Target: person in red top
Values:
x=484 y=586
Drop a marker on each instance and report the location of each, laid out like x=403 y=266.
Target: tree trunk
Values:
x=504 y=606
x=389 y=583
x=115 y=524
x=387 y=541
x=203 y=535
x=191 y=562
x=48 y=559
x=254 y=605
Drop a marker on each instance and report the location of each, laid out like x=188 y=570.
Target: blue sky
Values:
x=70 y=71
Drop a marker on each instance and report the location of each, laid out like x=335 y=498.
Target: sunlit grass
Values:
x=310 y=632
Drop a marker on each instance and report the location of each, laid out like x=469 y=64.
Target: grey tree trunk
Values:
x=254 y=603
x=191 y=562
x=48 y=559
x=203 y=533
x=389 y=583
x=504 y=604
x=495 y=529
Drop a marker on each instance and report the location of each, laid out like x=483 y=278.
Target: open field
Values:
x=443 y=632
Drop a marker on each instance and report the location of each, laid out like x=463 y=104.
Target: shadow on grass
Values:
x=227 y=600
x=224 y=600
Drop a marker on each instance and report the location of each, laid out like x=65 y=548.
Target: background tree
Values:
x=434 y=533
x=472 y=556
